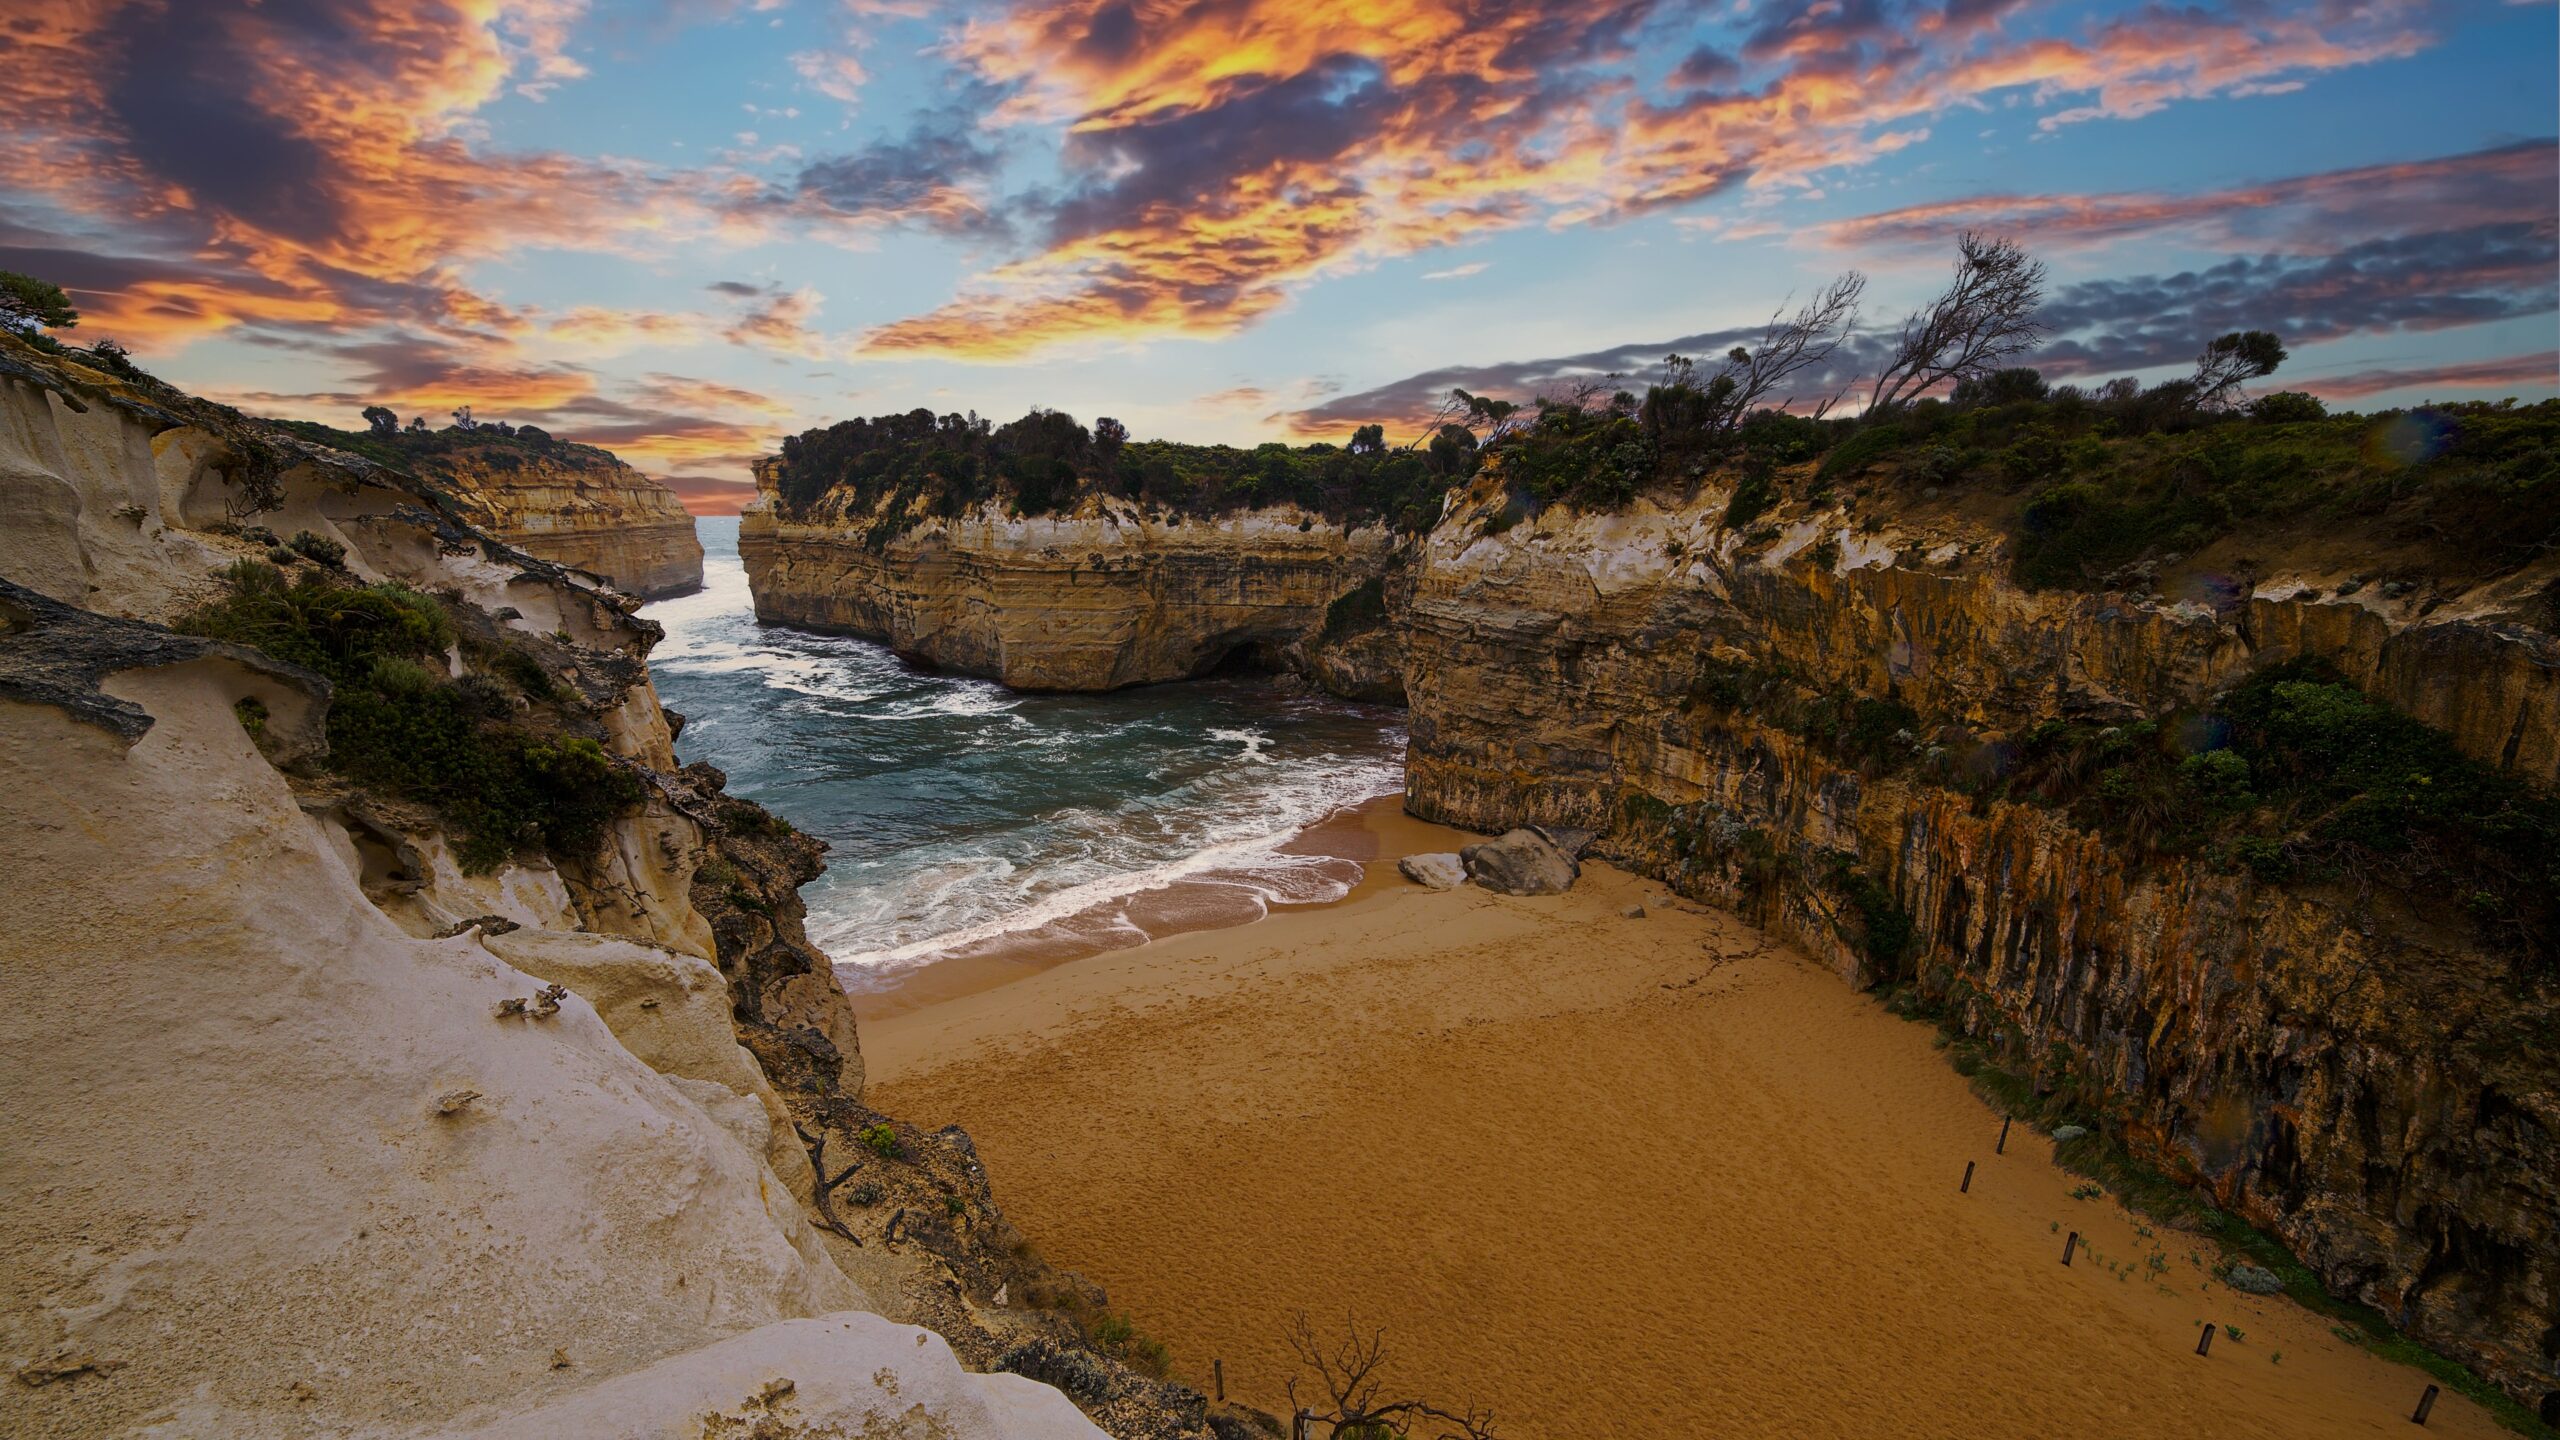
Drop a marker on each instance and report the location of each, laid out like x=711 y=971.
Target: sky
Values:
x=682 y=229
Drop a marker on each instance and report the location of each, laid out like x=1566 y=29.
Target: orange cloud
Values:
x=319 y=157
x=780 y=321
x=707 y=495
x=1230 y=153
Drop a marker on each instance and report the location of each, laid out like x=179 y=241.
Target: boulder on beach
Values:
x=1440 y=870
x=1522 y=862
x=1570 y=840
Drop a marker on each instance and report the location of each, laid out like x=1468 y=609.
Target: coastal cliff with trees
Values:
x=412 y=1046
x=2185 y=750
x=572 y=504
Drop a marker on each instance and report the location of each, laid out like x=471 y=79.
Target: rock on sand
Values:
x=1440 y=871
x=1522 y=862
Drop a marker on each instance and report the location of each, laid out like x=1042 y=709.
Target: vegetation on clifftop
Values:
x=503 y=770
x=903 y=468
x=386 y=442
x=2293 y=775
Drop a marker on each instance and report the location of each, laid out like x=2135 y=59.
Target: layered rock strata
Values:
x=578 y=506
x=315 y=1130
x=1107 y=596
x=2376 y=1087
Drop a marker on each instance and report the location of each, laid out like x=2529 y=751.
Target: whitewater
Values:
x=962 y=816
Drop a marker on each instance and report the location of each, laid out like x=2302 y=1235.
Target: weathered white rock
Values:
x=853 y=1374
x=1440 y=870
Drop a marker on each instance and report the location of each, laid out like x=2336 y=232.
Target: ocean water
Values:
x=964 y=817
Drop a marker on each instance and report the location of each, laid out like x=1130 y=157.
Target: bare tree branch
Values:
x=1788 y=344
x=1985 y=315
x=1347 y=1377
x=822 y=1198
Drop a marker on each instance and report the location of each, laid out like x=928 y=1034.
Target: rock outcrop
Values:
x=2373 y=1085
x=1106 y=596
x=578 y=506
x=316 y=1128
x=1520 y=862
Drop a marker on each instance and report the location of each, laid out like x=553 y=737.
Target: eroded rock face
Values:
x=1096 y=600
x=578 y=506
x=2376 y=1090
x=311 y=1131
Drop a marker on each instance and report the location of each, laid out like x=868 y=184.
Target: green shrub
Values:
x=319 y=548
x=1356 y=609
x=1886 y=933
x=397 y=721
x=2287 y=407
x=882 y=1141
x=1862 y=449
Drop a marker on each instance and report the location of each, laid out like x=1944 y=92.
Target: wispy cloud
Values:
x=1225 y=155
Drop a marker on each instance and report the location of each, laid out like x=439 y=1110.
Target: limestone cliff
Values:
x=1107 y=595
x=331 y=1118
x=579 y=506
x=2361 y=1075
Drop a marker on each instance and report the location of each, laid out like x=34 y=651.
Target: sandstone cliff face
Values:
x=1102 y=598
x=577 y=506
x=2373 y=1088
x=301 y=1141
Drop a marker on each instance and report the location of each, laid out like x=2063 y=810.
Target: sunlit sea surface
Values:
x=963 y=816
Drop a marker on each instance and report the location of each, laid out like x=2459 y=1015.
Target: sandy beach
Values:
x=1612 y=1176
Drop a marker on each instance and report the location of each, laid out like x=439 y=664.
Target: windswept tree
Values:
x=1497 y=416
x=2231 y=359
x=380 y=420
x=1790 y=345
x=1108 y=436
x=27 y=303
x=1684 y=416
x=1368 y=440
x=1984 y=316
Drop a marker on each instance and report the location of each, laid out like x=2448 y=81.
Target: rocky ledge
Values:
x=1857 y=729
x=577 y=506
x=1109 y=594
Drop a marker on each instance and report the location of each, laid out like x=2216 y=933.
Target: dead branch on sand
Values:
x=1347 y=1375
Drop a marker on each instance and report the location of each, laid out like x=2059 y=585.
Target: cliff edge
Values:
x=402 y=1043
x=577 y=506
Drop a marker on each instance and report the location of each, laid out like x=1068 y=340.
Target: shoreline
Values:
x=1610 y=1175
x=1371 y=835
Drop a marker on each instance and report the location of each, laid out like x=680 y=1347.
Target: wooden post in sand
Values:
x=2069 y=1245
x=1218 y=1369
x=2204 y=1342
x=1967 y=1186
x=2426 y=1403
x=2003 y=1147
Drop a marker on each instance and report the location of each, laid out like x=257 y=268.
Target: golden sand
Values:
x=1614 y=1177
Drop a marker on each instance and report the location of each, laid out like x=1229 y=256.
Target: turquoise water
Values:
x=962 y=815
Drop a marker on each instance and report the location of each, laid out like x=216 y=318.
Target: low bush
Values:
x=398 y=721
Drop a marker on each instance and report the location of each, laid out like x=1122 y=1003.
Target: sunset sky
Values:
x=685 y=228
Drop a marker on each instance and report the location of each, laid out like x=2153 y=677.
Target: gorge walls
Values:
x=578 y=506
x=2375 y=1086
x=1106 y=596
x=320 y=1125
x=2360 y=1071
